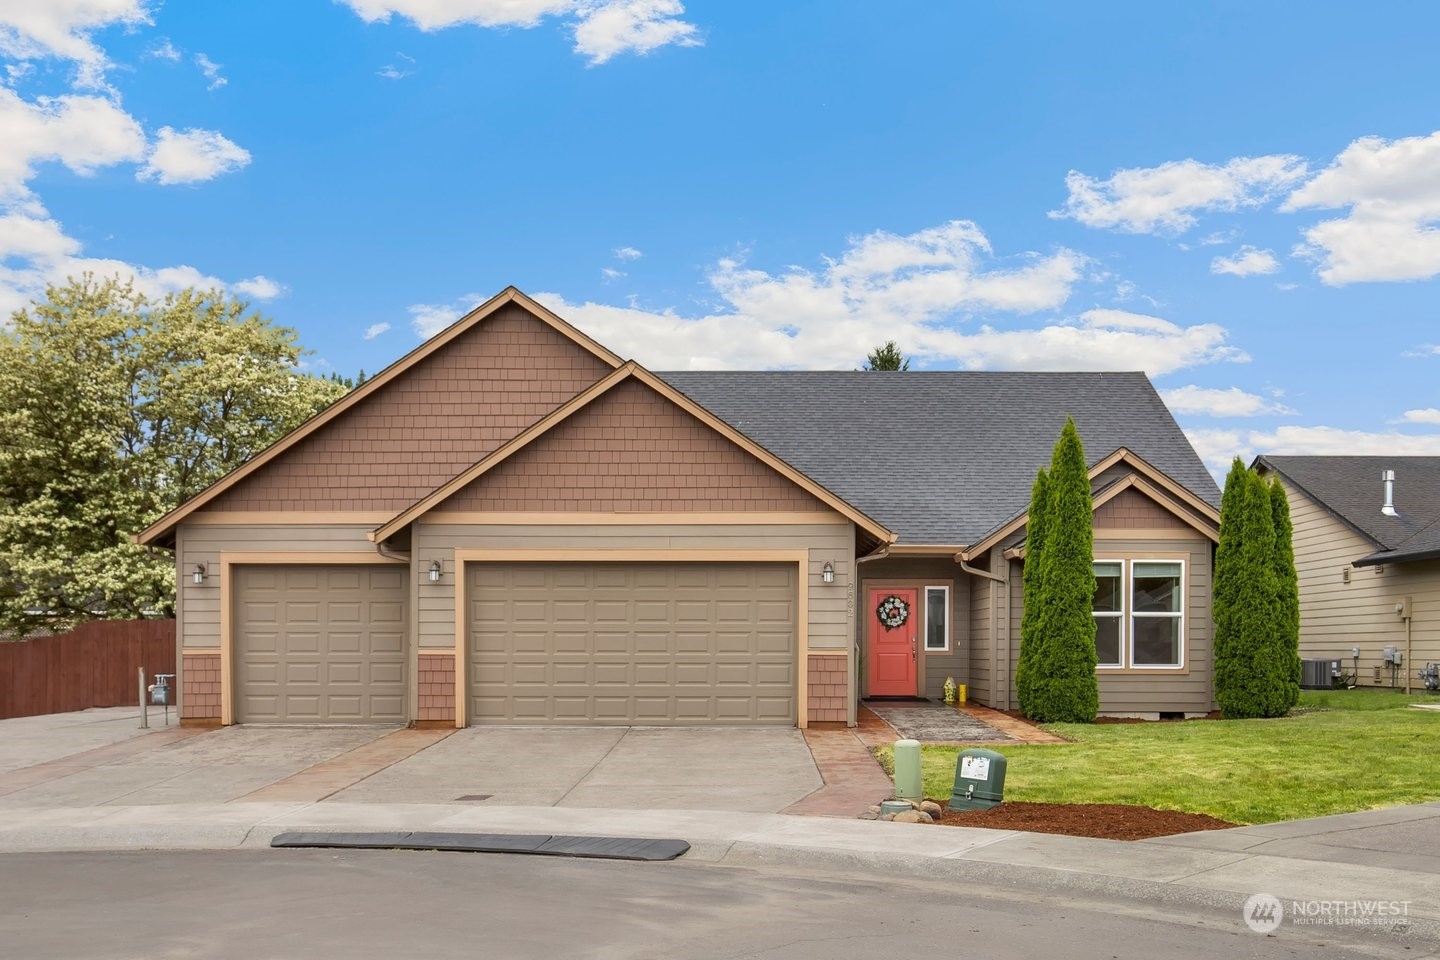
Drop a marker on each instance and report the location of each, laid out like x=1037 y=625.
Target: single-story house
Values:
x=513 y=525
x=1369 y=577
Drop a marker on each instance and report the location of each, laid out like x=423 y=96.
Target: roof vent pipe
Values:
x=1389 y=509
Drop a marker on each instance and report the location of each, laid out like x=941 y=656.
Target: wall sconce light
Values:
x=827 y=572
x=199 y=575
x=435 y=571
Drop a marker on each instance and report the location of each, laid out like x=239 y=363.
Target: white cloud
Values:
x=1428 y=415
x=392 y=72
x=428 y=319
x=82 y=132
x=1218 y=447
x=612 y=27
x=602 y=28
x=259 y=287
x=211 y=69
x=1097 y=340
x=627 y=253
x=610 y=273
x=919 y=289
x=1167 y=197
x=439 y=14
x=164 y=50
x=1392 y=188
x=1424 y=350
x=1246 y=262
x=190 y=156
x=375 y=329
x=31 y=29
x=1210 y=402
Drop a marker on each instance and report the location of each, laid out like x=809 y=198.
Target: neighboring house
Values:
x=511 y=524
x=1368 y=580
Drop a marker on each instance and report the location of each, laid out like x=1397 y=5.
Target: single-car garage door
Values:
x=320 y=644
x=632 y=643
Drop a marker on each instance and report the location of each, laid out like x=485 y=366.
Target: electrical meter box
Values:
x=979 y=780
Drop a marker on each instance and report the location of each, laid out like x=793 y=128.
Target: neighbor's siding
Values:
x=1335 y=615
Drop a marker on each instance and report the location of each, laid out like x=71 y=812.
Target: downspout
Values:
x=1004 y=581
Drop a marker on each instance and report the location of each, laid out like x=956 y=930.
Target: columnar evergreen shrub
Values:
x=1287 y=583
x=1063 y=687
x=1254 y=673
x=1032 y=654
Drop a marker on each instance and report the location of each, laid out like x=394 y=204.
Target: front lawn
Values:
x=1340 y=751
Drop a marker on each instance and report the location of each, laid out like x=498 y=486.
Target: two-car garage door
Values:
x=632 y=643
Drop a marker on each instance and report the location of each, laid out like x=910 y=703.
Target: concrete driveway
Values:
x=97 y=758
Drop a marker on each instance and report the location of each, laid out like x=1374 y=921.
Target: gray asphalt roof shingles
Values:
x=943 y=456
x=1351 y=488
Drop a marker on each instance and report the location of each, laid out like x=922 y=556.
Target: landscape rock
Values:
x=870 y=815
x=930 y=807
x=874 y=809
x=887 y=816
x=911 y=816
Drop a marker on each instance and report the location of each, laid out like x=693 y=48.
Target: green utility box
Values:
x=979 y=780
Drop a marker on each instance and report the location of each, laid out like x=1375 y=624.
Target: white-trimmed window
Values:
x=937 y=619
x=1109 y=612
x=1140 y=614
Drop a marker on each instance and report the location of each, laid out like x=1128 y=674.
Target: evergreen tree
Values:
x=1252 y=675
x=1032 y=655
x=887 y=357
x=1065 y=689
x=1287 y=582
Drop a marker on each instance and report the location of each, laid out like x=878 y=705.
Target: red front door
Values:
x=893 y=631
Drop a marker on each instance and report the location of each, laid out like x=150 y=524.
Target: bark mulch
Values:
x=1108 y=821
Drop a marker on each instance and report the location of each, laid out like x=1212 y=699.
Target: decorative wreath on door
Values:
x=892 y=612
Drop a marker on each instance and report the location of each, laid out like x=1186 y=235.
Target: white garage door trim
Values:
x=799 y=557
x=229 y=560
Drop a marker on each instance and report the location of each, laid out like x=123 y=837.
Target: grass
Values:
x=1340 y=751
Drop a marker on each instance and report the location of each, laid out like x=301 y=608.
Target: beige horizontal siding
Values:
x=831 y=623
x=199 y=605
x=922 y=572
x=1188 y=692
x=1336 y=616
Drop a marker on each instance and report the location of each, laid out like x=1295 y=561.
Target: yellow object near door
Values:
x=960 y=693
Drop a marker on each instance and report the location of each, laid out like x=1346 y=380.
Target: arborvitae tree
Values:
x=1252 y=676
x=1227 y=576
x=887 y=357
x=1287 y=583
x=1032 y=654
x=1064 y=685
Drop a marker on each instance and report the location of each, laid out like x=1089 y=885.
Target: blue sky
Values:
x=1241 y=199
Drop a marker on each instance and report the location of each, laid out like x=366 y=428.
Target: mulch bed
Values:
x=1108 y=821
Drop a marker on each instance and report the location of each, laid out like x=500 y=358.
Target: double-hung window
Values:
x=1140 y=614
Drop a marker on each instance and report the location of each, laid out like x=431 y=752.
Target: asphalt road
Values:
x=366 y=904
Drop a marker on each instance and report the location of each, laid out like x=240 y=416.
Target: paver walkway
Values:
x=932 y=722
x=853 y=779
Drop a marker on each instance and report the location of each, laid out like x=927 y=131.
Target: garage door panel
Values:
x=641 y=643
x=320 y=644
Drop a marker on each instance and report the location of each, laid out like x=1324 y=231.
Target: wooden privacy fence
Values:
x=92 y=666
